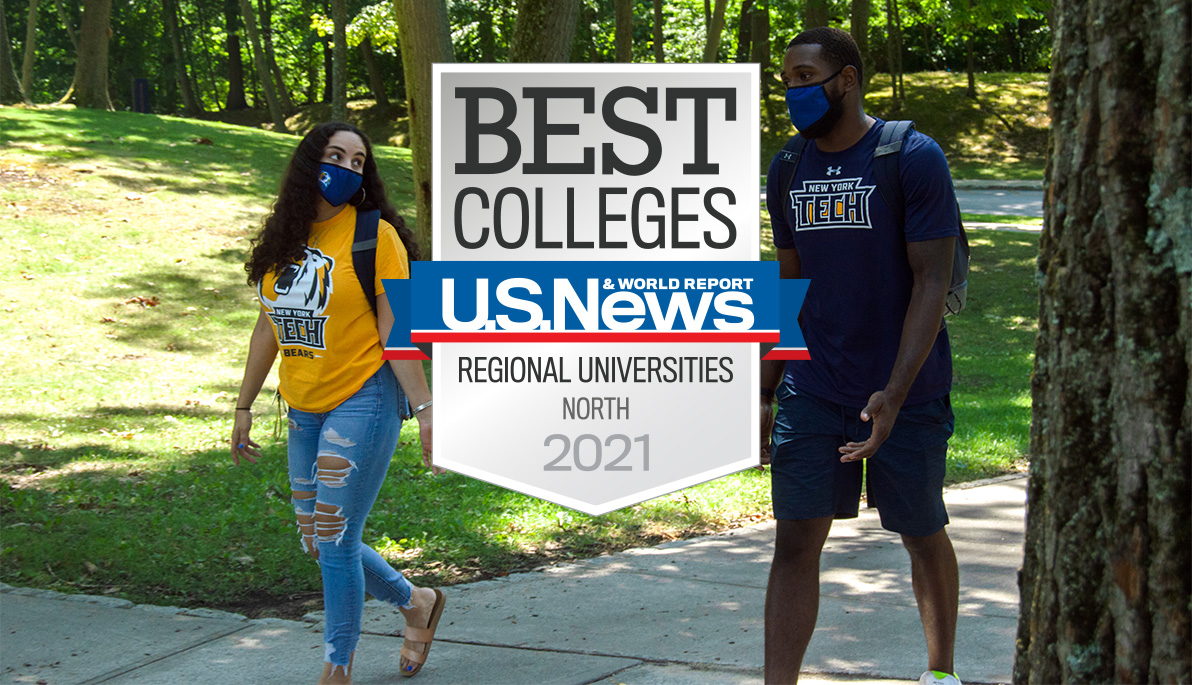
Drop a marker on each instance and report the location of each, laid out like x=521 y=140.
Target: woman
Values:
x=346 y=404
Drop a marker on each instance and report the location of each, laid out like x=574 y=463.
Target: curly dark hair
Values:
x=287 y=228
x=837 y=47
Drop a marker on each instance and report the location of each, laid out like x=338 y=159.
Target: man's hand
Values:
x=767 y=425
x=883 y=410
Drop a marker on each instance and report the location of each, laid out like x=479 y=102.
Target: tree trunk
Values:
x=262 y=69
x=1105 y=583
x=90 y=86
x=488 y=38
x=815 y=13
x=707 y=13
x=236 y=99
x=376 y=80
x=623 y=38
x=970 y=62
x=715 y=29
x=892 y=56
x=328 y=70
x=339 y=56
x=30 y=49
x=279 y=82
x=659 y=38
x=425 y=39
x=190 y=105
x=859 y=29
x=68 y=25
x=745 y=31
x=898 y=50
x=544 y=30
x=203 y=32
x=10 y=85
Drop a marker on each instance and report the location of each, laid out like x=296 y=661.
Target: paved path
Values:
x=683 y=612
x=1007 y=202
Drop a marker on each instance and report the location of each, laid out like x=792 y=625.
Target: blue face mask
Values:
x=336 y=184
x=808 y=104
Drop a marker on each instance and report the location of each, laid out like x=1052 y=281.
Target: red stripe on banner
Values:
x=405 y=354
x=593 y=336
x=800 y=354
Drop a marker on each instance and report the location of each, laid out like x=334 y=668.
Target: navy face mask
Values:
x=808 y=104
x=337 y=184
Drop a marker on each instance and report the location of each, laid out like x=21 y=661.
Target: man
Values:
x=877 y=385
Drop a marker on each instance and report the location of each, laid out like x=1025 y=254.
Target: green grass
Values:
x=114 y=472
x=1002 y=134
x=1001 y=219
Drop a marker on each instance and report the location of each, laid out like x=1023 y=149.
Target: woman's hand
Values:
x=242 y=445
x=425 y=432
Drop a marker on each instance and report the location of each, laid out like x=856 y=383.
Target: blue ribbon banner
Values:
x=632 y=302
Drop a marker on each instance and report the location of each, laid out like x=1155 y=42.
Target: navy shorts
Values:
x=904 y=479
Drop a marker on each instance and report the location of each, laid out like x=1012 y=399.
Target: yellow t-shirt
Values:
x=324 y=327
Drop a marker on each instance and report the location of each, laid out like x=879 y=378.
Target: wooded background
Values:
x=213 y=56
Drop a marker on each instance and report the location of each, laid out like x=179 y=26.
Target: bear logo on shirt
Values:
x=296 y=300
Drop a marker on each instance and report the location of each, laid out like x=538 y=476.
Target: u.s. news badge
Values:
x=596 y=308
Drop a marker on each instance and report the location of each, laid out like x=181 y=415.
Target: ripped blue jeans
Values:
x=341 y=456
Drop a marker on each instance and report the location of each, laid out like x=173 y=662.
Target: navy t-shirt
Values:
x=854 y=252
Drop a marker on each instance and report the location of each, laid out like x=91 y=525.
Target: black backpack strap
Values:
x=788 y=166
x=885 y=166
x=364 y=253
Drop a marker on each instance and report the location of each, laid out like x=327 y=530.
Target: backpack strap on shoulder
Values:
x=788 y=159
x=885 y=166
x=364 y=253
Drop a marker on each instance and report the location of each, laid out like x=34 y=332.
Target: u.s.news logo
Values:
x=599 y=302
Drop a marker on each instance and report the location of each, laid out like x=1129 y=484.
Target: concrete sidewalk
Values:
x=683 y=612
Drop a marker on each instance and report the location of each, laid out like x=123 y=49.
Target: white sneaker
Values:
x=938 y=678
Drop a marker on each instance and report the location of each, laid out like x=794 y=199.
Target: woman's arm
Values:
x=413 y=381
x=262 y=350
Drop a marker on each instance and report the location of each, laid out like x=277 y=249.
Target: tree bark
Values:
x=815 y=13
x=376 y=80
x=279 y=82
x=544 y=30
x=339 y=56
x=859 y=29
x=425 y=39
x=30 y=49
x=623 y=38
x=1106 y=579
x=745 y=31
x=659 y=38
x=190 y=105
x=67 y=24
x=715 y=30
x=90 y=86
x=236 y=99
x=10 y=85
x=262 y=69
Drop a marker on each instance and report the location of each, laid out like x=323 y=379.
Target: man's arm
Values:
x=789 y=266
x=931 y=265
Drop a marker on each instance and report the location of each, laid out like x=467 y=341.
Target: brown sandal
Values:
x=422 y=635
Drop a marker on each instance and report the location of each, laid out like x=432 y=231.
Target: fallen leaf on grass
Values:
x=107 y=319
x=202 y=141
x=91 y=568
x=133 y=196
x=151 y=301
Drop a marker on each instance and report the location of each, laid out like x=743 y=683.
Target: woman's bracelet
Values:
x=420 y=407
x=243 y=408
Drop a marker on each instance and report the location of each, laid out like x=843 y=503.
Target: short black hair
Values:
x=837 y=47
